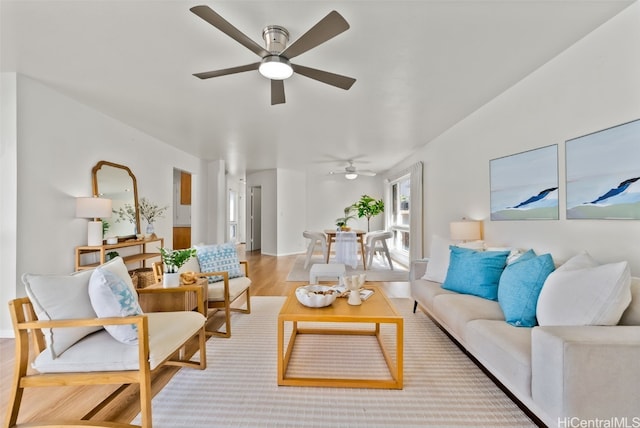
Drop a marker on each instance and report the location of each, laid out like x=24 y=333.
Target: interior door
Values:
x=255 y=219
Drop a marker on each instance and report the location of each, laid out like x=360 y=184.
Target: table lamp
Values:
x=93 y=208
x=465 y=230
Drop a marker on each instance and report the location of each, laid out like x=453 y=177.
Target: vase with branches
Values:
x=151 y=212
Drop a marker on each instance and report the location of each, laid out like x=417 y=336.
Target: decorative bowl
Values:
x=316 y=296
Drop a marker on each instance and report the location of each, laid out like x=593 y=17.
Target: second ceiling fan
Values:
x=275 y=64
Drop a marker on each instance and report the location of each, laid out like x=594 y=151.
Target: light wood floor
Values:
x=268 y=275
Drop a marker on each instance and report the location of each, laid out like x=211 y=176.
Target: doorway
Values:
x=181 y=209
x=255 y=219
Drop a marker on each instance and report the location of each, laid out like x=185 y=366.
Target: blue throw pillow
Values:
x=111 y=297
x=219 y=258
x=475 y=272
x=520 y=286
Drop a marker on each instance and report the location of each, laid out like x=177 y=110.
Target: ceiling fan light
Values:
x=351 y=176
x=275 y=67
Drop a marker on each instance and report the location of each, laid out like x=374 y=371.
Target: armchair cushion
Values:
x=237 y=286
x=111 y=297
x=56 y=297
x=219 y=258
x=100 y=352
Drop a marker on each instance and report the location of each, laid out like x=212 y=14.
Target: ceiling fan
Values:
x=351 y=173
x=275 y=64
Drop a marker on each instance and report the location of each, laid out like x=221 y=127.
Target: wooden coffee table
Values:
x=376 y=310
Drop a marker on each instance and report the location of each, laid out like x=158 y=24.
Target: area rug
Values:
x=378 y=271
x=442 y=387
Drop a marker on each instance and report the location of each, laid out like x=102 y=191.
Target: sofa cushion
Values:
x=631 y=315
x=454 y=311
x=219 y=258
x=438 y=260
x=111 y=297
x=504 y=350
x=581 y=292
x=425 y=292
x=101 y=352
x=475 y=272
x=56 y=297
x=520 y=286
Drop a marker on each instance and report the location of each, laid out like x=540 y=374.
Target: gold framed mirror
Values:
x=117 y=182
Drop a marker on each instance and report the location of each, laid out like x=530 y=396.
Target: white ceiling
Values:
x=421 y=66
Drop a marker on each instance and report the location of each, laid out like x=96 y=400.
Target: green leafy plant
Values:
x=369 y=207
x=105 y=227
x=341 y=222
x=174 y=259
x=112 y=255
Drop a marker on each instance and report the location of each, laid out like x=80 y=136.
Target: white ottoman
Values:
x=333 y=270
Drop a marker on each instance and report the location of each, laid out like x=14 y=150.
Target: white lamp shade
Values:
x=351 y=176
x=465 y=230
x=93 y=207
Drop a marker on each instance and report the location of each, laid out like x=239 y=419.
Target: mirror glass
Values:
x=117 y=182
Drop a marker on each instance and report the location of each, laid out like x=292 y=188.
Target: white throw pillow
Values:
x=438 y=260
x=57 y=297
x=112 y=297
x=631 y=315
x=581 y=292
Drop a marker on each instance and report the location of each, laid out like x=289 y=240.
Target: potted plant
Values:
x=341 y=222
x=369 y=207
x=172 y=260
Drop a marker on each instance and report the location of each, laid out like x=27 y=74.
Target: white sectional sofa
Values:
x=565 y=375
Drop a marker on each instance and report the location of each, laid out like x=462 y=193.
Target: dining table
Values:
x=331 y=237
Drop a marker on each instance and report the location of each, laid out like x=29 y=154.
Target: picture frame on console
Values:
x=524 y=186
x=603 y=174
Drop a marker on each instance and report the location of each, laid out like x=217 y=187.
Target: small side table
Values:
x=156 y=298
x=318 y=270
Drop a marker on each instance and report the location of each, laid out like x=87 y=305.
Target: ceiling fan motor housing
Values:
x=275 y=38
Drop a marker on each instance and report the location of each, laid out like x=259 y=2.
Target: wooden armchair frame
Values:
x=25 y=324
x=225 y=304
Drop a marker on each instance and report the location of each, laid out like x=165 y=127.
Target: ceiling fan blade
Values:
x=366 y=173
x=225 y=71
x=206 y=13
x=342 y=82
x=328 y=27
x=277 y=92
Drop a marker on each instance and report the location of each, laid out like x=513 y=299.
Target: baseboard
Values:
x=7 y=334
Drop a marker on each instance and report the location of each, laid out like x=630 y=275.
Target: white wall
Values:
x=328 y=195
x=591 y=86
x=292 y=211
x=8 y=195
x=58 y=142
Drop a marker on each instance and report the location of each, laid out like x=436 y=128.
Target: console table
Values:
x=143 y=249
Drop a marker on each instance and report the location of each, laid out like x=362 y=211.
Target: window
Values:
x=400 y=219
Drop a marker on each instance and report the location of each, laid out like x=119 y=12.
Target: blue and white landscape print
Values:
x=603 y=174
x=524 y=186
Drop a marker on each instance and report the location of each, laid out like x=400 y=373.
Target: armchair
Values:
x=70 y=347
x=225 y=287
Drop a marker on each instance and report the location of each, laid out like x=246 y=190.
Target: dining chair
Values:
x=377 y=242
x=347 y=249
x=315 y=238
